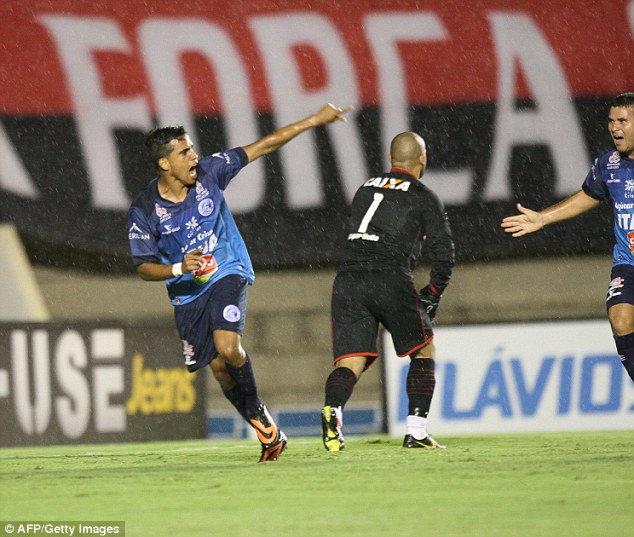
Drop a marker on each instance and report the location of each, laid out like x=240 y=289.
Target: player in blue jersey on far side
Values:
x=611 y=177
x=182 y=231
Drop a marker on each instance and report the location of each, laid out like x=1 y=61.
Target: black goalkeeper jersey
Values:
x=391 y=216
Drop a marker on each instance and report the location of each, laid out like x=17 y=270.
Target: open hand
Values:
x=525 y=222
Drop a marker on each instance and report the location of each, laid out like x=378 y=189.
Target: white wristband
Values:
x=177 y=269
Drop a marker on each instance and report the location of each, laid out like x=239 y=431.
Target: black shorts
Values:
x=621 y=290
x=361 y=300
x=222 y=307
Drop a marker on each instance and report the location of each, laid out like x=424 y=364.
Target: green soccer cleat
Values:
x=331 y=429
x=426 y=443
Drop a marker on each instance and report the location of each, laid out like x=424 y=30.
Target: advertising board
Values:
x=90 y=383
x=529 y=377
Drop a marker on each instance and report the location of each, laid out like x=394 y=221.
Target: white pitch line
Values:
x=215 y=447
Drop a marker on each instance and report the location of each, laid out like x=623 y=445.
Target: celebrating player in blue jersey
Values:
x=181 y=231
x=611 y=177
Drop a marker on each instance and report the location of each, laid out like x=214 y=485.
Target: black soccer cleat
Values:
x=426 y=443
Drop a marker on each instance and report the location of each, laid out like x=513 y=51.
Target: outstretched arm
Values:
x=528 y=221
x=327 y=114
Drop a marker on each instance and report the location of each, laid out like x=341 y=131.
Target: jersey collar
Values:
x=401 y=170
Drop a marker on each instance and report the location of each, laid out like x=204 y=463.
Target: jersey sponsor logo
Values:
x=162 y=213
x=363 y=236
x=188 y=352
x=614 y=161
x=623 y=206
x=629 y=184
x=206 y=207
x=388 y=182
x=201 y=191
x=231 y=313
x=135 y=233
x=199 y=240
x=168 y=229
x=206 y=234
x=192 y=226
x=613 y=179
x=625 y=221
x=224 y=156
x=615 y=285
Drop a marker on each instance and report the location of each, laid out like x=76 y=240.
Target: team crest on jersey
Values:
x=206 y=207
x=388 y=182
x=614 y=161
x=231 y=313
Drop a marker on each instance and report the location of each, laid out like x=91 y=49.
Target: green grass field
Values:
x=548 y=485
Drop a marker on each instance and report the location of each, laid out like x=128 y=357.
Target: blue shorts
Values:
x=621 y=290
x=222 y=307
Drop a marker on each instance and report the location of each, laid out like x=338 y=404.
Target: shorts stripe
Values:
x=418 y=347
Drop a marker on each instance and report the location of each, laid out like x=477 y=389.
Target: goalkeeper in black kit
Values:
x=392 y=216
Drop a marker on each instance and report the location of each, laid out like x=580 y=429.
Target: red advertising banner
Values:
x=511 y=97
x=448 y=49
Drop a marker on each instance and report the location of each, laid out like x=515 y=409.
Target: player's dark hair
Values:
x=624 y=100
x=157 y=141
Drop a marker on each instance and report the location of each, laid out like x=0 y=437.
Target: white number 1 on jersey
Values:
x=378 y=198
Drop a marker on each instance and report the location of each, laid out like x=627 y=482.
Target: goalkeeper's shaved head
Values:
x=406 y=151
x=406 y=148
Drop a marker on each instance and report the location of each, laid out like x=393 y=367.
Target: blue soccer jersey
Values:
x=612 y=176
x=162 y=231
